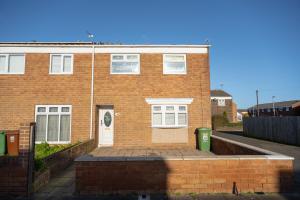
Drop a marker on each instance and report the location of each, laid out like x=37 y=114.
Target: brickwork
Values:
x=14 y=169
x=184 y=176
x=126 y=92
x=221 y=147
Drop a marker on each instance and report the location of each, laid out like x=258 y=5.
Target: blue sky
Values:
x=255 y=43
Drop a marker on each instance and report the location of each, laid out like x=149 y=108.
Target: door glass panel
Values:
x=107 y=119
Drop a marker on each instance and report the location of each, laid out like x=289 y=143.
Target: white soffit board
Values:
x=220 y=97
x=169 y=101
x=84 y=49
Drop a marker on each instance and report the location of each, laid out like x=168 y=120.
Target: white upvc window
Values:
x=221 y=102
x=174 y=64
x=169 y=116
x=53 y=124
x=125 y=64
x=61 y=64
x=12 y=63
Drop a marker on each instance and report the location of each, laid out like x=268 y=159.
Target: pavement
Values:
x=62 y=186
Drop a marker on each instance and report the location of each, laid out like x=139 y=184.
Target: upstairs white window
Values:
x=221 y=102
x=53 y=123
x=12 y=63
x=174 y=64
x=125 y=64
x=169 y=116
x=61 y=64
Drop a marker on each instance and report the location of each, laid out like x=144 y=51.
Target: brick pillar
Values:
x=24 y=137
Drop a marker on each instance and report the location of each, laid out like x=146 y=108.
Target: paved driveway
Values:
x=288 y=150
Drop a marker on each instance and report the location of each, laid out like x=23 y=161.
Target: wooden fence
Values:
x=284 y=130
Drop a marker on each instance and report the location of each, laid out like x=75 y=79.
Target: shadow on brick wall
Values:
x=127 y=179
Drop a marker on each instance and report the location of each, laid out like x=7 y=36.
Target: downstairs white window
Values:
x=53 y=123
x=169 y=116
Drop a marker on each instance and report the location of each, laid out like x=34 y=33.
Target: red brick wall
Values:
x=220 y=147
x=184 y=176
x=14 y=169
x=126 y=92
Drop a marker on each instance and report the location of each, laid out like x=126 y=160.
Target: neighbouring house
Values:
x=120 y=95
x=282 y=108
x=222 y=102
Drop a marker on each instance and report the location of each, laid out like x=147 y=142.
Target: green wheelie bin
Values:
x=2 y=143
x=204 y=139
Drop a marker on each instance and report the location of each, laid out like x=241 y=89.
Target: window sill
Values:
x=60 y=73
x=124 y=73
x=169 y=127
x=11 y=73
x=175 y=73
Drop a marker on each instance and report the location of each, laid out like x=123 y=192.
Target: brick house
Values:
x=121 y=95
x=222 y=102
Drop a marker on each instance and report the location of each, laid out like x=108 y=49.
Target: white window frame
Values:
x=61 y=64
x=125 y=60
x=7 y=55
x=221 y=102
x=174 y=72
x=47 y=113
x=163 y=111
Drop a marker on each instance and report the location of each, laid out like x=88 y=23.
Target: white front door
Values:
x=106 y=127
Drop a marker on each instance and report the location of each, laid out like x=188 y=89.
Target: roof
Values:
x=219 y=93
x=279 y=104
x=103 y=44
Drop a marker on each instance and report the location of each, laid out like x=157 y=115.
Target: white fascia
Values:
x=103 y=49
x=220 y=97
x=169 y=101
